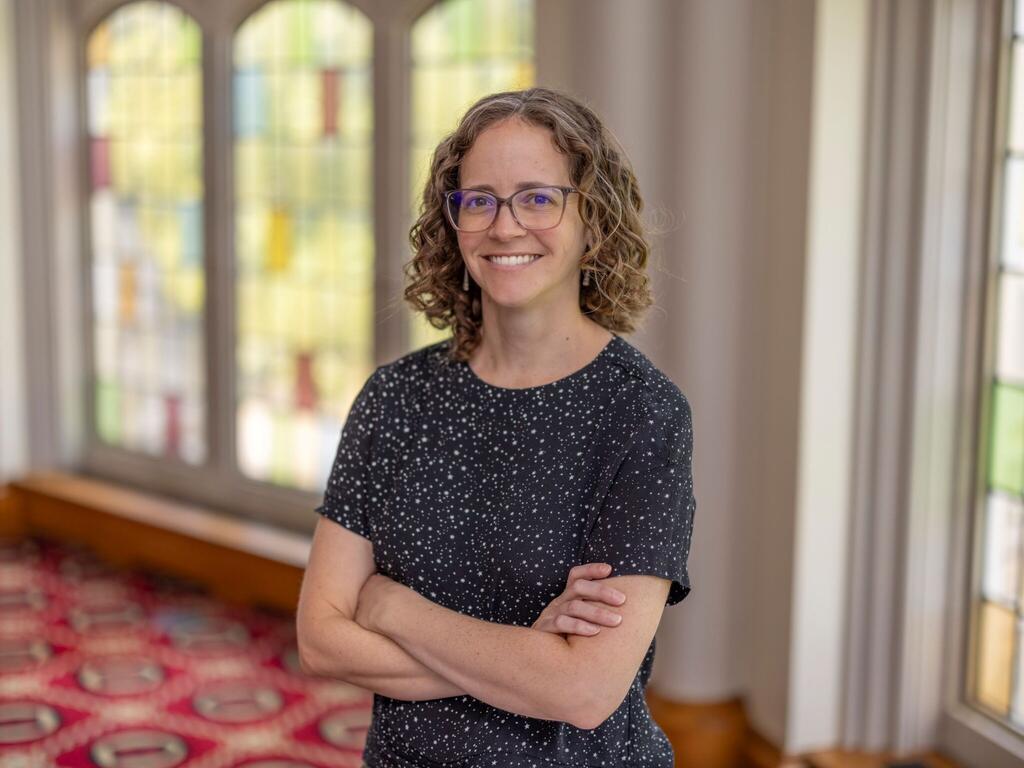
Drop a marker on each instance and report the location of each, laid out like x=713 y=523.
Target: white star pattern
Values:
x=482 y=498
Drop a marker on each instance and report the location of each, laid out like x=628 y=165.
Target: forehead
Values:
x=511 y=152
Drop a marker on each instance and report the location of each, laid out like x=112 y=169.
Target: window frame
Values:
x=965 y=731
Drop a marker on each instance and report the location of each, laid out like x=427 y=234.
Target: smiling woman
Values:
x=495 y=495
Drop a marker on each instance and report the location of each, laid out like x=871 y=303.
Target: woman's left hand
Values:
x=372 y=600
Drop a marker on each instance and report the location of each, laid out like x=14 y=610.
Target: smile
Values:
x=512 y=260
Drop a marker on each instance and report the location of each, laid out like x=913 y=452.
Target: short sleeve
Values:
x=353 y=486
x=645 y=522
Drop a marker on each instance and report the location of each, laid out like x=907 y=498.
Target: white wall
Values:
x=829 y=375
x=12 y=422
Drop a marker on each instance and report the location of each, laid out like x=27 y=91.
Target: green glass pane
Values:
x=1006 y=463
x=108 y=412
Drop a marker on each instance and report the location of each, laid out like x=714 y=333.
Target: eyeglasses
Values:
x=473 y=210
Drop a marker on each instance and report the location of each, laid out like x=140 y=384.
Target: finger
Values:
x=594 y=590
x=588 y=571
x=566 y=623
x=592 y=612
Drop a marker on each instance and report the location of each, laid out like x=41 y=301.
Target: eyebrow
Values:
x=520 y=186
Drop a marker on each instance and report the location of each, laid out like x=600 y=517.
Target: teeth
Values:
x=511 y=261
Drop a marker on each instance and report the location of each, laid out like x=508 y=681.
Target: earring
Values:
x=586 y=277
x=465 y=279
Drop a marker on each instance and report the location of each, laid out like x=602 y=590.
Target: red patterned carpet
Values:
x=117 y=669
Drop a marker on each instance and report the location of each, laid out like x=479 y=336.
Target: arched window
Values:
x=144 y=115
x=462 y=50
x=303 y=121
x=256 y=199
x=998 y=679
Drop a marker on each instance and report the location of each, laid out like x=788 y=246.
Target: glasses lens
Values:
x=471 y=211
x=539 y=207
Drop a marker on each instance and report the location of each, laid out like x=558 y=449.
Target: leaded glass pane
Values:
x=144 y=121
x=1010 y=329
x=461 y=50
x=995 y=659
x=1006 y=462
x=303 y=122
x=1003 y=519
x=1012 y=252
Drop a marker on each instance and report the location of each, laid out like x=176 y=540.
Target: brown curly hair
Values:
x=609 y=205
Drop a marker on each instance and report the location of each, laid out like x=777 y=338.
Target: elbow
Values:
x=594 y=702
x=311 y=656
x=587 y=705
x=589 y=718
x=306 y=656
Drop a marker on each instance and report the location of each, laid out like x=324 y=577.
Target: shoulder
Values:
x=405 y=378
x=657 y=406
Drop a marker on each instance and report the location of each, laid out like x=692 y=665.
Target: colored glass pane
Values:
x=144 y=120
x=461 y=50
x=304 y=249
x=995 y=656
x=1006 y=463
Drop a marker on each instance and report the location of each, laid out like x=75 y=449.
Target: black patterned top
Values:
x=481 y=498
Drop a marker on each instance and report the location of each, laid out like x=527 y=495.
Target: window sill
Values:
x=977 y=741
x=238 y=560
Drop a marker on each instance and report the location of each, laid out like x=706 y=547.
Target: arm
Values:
x=332 y=645
x=513 y=668
x=518 y=669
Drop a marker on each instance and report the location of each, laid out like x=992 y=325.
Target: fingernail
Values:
x=620 y=597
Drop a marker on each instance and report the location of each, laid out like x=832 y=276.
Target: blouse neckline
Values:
x=567 y=379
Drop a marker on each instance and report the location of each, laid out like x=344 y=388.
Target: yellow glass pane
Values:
x=995 y=656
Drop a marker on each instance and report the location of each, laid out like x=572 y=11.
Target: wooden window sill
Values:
x=238 y=560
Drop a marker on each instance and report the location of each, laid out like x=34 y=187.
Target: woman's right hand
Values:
x=581 y=608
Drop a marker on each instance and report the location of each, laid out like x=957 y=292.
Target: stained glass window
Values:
x=144 y=112
x=999 y=656
x=462 y=50
x=303 y=120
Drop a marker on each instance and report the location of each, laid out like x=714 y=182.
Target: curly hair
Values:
x=609 y=205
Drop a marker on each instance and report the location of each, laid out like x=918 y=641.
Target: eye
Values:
x=477 y=200
x=539 y=199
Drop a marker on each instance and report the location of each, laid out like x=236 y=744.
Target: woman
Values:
x=494 y=495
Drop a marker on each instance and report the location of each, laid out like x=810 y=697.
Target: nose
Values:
x=505 y=225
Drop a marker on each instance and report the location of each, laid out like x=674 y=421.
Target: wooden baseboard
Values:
x=846 y=759
x=238 y=561
x=12 y=523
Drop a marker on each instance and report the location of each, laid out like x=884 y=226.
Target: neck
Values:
x=526 y=349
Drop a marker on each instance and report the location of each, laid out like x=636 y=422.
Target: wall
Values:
x=12 y=422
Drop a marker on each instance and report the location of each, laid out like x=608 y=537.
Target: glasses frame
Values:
x=504 y=201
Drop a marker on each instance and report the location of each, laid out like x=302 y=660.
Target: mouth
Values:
x=512 y=260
